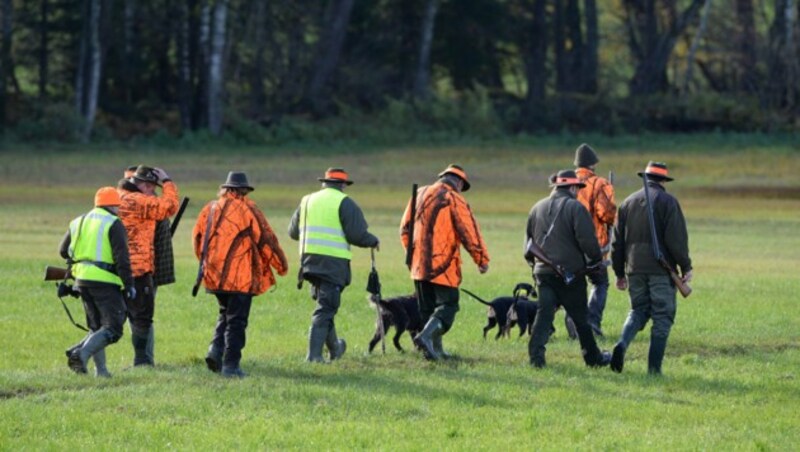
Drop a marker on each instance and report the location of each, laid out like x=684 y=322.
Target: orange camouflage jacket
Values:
x=598 y=198
x=443 y=223
x=140 y=213
x=242 y=247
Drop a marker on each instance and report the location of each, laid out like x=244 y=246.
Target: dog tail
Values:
x=376 y=301
x=476 y=297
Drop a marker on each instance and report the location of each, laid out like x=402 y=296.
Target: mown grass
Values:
x=730 y=373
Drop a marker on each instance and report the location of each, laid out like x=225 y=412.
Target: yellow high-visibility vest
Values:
x=90 y=247
x=320 y=228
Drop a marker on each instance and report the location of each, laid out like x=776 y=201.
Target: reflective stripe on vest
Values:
x=320 y=228
x=90 y=243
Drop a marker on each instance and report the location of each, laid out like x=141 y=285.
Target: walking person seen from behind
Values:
x=651 y=290
x=96 y=244
x=442 y=224
x=326 y=223
x=238 y=251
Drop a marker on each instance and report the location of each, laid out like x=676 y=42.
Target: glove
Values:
x=161 y=174
x=129 y=293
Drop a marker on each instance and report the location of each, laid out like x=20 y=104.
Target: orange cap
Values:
x=106 y=197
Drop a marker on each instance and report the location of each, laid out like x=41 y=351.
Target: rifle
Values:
x=533 y=250
x=609 y=228
x=56 y=273
x=204 y=251
x=413 y=219
x=174 y=225
x=683 y=288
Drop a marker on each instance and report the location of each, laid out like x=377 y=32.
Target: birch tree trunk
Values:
x=422 y=78
x=184 y=66
x=80 y=72
x=215 y=67
x=5 y=58
x=698 y=36
x=94 y=65
x=43 y=48
x=329 y=50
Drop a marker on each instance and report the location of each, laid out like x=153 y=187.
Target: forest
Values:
x=261 y=70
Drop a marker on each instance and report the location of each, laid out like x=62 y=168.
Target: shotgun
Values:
x=174 y=225
x=412 y=220
x=609 y=228
x=683 y=288
x=533 y=250
x=56 y=273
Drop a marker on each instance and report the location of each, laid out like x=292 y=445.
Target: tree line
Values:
x=135 y=66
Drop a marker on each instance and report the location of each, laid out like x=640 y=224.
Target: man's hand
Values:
x=129 y=293
x=483 y=268
x=161 y=174
x=622 y=283
x=687 y=277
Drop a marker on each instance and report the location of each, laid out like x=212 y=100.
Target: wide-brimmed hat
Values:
x=459 y=172
x=656 y=170
x=337 y=175
x=237 y=179
x=145 y=174
x=585 y=156
x=107 y=197
x=566 y=178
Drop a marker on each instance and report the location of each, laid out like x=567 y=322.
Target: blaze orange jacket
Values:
x=242 y=247
x=443 y=223
x=140 y=213
x=598 y=198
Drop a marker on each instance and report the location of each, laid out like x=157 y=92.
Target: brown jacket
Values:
x=242 y=247
x=140 y=213
x=443 y=223
x=598 y=198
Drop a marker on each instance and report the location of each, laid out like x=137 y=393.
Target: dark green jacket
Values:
x=572 y=242
x=631 y=250
x=334 y=269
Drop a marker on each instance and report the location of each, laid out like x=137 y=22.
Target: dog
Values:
x=523 y=312
x=499 y=308
x=402 y=313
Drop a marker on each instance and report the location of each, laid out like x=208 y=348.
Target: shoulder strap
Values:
x=550 y=229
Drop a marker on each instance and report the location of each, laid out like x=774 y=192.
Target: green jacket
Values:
x=572 y=242
x=631 y=250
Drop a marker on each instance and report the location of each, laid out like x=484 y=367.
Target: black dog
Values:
x=499 y=309
x=400 y=312
x=523 y=312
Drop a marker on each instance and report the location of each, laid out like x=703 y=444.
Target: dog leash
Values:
x=378 y=304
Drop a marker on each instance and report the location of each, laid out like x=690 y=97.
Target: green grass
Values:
x=731 y=368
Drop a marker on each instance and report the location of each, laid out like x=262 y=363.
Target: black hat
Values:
x=237 y=179
x=459 y=172
x=566 y=178
x=145 y=174
x=337 y=175
x=585 y=156
x=657 y=171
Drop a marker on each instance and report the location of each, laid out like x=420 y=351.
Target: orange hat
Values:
x=657 y=171
x=458 y=172
x=337 y=175
x=106 y=197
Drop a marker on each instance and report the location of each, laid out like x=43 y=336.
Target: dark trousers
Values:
x=229 y=333
x=104 y=307
x=552 y=293
x=597 y=299
x=142 y=308
x=436 y=300
x=329 y=298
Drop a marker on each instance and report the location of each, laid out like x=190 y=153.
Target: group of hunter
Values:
x=121 y=251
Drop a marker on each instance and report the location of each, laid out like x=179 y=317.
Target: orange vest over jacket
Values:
x=443 y=223
x=598 y=198
x=242 y=247
x=139 y=213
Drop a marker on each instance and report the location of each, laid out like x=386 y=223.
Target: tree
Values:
x=6 y=66
x=423 y=72
x=329 y=49
x=216 y=67
x=87 y=82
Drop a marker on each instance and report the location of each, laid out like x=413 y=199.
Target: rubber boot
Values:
x=336 y=346
x=424 y=339
x=629 y=330
x=658 y=345
x=100 y=369
x=214 y=358
x=139 y=341
x=93 y=344
x=618 y=357
x=536 y=355
x=232 y=372
x=438 y=347
x=316 y=339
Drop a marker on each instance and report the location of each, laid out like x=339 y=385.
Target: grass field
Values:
x=731 y=370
